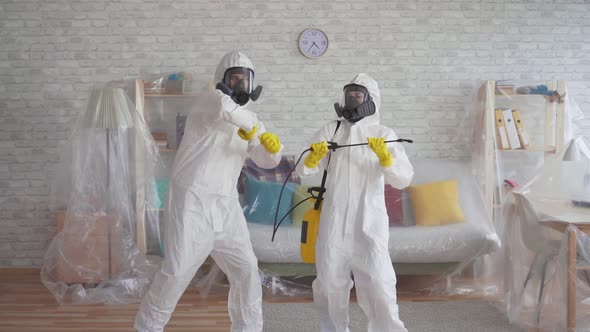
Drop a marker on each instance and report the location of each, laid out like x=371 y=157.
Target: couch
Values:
x=413 y=249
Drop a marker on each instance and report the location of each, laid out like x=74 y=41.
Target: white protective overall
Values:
x=204 y=214
x=353 y=233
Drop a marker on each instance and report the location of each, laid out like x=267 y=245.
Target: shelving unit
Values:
x=143 y=98
x=553 y=133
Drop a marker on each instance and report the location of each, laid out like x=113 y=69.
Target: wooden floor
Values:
x=27 y=306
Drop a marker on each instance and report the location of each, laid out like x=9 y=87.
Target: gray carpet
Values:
x=460 y=316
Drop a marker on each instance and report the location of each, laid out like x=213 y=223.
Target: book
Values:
x=180 y=123
x=513 y=139
x=522 y=133
x=502 y=136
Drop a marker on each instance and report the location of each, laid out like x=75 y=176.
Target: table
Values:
x=572 y=265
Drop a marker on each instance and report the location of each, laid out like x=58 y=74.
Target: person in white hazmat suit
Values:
x=353 y=232
x=204 y=214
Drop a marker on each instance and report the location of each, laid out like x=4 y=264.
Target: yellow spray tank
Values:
x=311 y=222
x=309 y=232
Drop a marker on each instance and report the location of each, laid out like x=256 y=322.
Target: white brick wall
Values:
x=425 y=55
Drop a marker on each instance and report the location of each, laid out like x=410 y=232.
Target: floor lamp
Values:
x=108 y=109
x=577 y=155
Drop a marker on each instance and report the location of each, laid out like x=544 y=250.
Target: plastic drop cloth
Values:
x=549 y=116
x=106 y=176
x=165 y=100
x=439 y=254
x=544 y=220
x=449 y=258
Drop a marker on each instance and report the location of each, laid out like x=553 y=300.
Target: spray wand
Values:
x=320 y=190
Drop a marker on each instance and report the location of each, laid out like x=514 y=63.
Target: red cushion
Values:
x=393 y=203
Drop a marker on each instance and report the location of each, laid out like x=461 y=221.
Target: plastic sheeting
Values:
x=458 y=255
x=165 y=102
x=106 y=176
x=445 y=253
x=546 y=280
x=450 y=253
x=440 y=251
x=549 y=122
x=519 y=183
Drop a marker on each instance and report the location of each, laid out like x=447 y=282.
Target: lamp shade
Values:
x=576 y=168
x=577 y=150
x=108 y=108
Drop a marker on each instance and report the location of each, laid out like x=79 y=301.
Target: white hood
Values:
x=229 y=60
x=371 y=85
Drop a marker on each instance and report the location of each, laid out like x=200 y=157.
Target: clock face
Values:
x=313 y=43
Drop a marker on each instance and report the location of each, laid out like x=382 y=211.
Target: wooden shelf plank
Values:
x=519 y=96
x=534 y=149
x=167 y=94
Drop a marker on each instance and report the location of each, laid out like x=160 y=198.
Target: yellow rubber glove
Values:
x=270 y=142
x=377 y=144
x=318 y=152
x=247 y=135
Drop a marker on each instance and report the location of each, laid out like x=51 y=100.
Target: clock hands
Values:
x=312 y=45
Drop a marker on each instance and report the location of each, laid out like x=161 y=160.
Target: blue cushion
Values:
x=161 y=189
x=260 y=201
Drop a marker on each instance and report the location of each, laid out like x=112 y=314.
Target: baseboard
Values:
x=19 y=270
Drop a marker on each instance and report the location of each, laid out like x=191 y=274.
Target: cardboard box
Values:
x=90 y=250
x=179 y=86
x=505 y=90
x=159 y=136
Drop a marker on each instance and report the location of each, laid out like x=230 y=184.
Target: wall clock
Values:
x=313 y=43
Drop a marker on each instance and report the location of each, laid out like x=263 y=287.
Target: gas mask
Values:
x=357 y=103
x=237 y=83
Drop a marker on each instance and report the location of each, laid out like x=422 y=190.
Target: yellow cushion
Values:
x=298 y=213
x=436 y=203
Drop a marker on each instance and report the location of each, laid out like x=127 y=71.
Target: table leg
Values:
x=571 y=280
